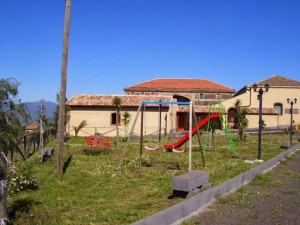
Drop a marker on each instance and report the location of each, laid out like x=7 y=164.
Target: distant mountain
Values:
x=34 y=108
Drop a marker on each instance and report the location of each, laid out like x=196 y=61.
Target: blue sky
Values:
x=117 y=43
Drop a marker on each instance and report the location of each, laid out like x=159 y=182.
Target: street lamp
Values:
x=291 y=112
x=259 y=97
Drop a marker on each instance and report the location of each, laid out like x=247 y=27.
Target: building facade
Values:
x=100 y=113
x=275 y=108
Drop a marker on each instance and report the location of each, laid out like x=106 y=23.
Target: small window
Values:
x=218 y=96
x=201 y=96
x=278 y=108
x=114 y=119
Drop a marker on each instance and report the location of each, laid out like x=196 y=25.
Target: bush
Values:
x=20 y=178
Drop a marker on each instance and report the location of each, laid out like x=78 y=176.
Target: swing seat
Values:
x=178 y=151
x=150 y=149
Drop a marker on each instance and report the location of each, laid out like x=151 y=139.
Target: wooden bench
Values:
x=191 y=182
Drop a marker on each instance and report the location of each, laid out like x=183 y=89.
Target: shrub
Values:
x=20 y=178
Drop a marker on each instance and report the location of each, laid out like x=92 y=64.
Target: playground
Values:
x=96 y=190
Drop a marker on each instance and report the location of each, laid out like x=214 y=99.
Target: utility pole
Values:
x=62 y=96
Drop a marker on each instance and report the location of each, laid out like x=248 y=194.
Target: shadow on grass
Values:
x=21 y=206
x=67 y=163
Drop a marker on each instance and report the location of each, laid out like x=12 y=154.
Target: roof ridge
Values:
x=275 y=75
x=141 y=83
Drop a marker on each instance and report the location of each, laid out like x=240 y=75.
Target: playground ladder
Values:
x=217 y=107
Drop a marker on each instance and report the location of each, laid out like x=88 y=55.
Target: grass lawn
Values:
x=95 y=190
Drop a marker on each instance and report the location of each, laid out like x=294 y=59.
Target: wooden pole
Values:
x=199 y=138
x=130 y=134
x=62 y=96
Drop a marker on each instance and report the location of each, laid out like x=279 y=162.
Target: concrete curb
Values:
x=183 y=210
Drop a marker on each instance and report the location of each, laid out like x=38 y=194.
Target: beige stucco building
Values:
x=100 y=113
x=275 y=108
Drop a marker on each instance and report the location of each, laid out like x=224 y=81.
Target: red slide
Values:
x=185 y=138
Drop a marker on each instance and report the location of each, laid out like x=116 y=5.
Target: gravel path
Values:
x=272 y=198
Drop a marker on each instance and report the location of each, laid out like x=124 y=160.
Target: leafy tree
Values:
x=117 y=101
x=12 y=111
x=126 y=120
x=80 y=126
x=241 y=120
x=55 y=117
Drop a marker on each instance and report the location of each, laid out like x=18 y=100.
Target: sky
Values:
x=117 y=43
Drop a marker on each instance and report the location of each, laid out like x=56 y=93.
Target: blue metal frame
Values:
x=165 y=103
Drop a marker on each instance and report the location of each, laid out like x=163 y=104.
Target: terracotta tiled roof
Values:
x=279 y=81
x=31 y=127
x=107 y=100
x=179 y=85
x=273 y=81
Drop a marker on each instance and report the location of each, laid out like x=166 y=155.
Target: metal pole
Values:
x=259 y=124
x=141 y=138
x=190 y=138
x=159 y=121
x=291 y=127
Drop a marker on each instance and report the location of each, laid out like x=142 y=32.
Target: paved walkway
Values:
x=272 y=198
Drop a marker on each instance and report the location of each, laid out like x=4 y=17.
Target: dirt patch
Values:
x=271 y=198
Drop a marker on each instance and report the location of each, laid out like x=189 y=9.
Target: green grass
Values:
x=95 y=190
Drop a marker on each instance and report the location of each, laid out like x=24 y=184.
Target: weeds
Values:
x=96 y=190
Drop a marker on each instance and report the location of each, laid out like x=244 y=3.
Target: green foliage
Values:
x=117 y=101
x=95 y=190
x=79 y=127
x=12 y=113
x=20 y=178
x=56 y=114
x=241 y=120
x=239 y=198
x=264 y=180
x=126 y=120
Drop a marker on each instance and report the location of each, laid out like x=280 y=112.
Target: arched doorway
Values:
x=231 y=116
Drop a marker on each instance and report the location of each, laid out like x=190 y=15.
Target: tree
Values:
x=241 y=120
x=55 y=117
x=117 y=101
x=12 y=111
x=80 y=126
x=126 y=120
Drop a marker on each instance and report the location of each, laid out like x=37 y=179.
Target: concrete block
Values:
x=189 y=181
x=285 y=144
x=48 y=151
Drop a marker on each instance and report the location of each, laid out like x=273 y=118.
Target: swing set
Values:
x=145 y=147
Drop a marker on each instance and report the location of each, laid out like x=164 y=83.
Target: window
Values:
x=278 y=108
x=201 y=96
x=218 y=96
x=113 y=119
